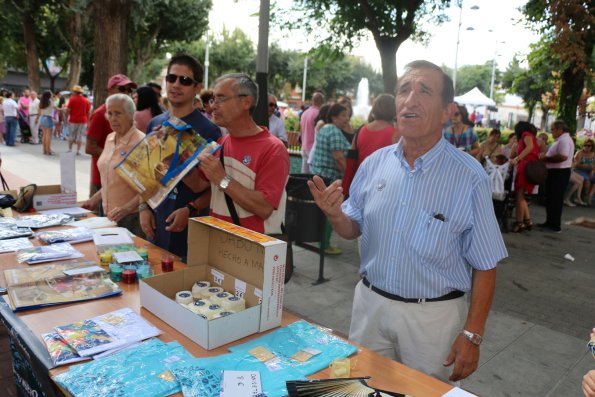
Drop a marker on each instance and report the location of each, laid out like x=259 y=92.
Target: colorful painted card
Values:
x=85 y=337
x=60 y=352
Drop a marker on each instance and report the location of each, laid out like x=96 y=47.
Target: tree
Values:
x=470 y=76
x=158 y=24
x=110 y=44
x=573 y=42
x=536 y=85
x=347 y=21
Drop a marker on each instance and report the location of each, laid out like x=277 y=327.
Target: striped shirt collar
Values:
x=425 y=161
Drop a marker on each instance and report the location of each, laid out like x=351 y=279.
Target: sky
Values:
x=497 y=33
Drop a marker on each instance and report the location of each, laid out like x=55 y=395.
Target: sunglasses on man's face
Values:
x=272 y=105
x=457 y=114
x=184 y=80
x=124 y=89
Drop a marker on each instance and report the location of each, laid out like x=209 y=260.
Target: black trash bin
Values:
x=304 y=221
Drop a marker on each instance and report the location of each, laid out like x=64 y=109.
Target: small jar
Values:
x=129 y=276
x=167 y=263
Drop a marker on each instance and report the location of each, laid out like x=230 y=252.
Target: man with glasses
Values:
x=558 y=161
x=276 y=125
x=99 y=127
x=168 y=225
x=248 y=177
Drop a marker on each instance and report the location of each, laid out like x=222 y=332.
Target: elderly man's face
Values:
x=227 y=104
x=420 y=111
x=272 y=105
x=556 y=132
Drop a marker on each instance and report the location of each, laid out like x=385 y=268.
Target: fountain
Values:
x=362 y=99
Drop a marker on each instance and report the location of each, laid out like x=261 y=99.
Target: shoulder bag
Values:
x=283 y=236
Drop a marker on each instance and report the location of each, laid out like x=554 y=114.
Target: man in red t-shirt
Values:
x=256 y=163
x=99 y=127
x=78 y=110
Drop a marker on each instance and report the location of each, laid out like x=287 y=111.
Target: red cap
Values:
x=120 y=80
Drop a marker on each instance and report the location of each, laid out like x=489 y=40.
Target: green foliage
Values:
x=470 y=76
x=569 y=25
x=291 y=121
x=346 y=22
x=159 y=26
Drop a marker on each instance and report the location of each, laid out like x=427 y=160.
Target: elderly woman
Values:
x=119 y=201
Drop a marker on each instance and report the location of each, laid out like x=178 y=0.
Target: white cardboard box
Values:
x=49 y=197
x=249 y=264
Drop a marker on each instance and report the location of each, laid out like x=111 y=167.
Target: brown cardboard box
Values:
x=243 y=262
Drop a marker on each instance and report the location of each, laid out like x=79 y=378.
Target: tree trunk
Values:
x=75 y=30
x=31 y=52
x=111 y=44
x=387 y=47
x=571 y=89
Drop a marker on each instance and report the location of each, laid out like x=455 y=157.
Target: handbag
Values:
x=282 y=236
x=536 y=172
x=351 y=165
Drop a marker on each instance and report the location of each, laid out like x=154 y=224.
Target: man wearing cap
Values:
x=78 y=111
x=99 y=127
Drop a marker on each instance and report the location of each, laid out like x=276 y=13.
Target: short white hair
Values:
x=129 y=106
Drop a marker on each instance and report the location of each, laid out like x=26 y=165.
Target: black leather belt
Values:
x=449 y=296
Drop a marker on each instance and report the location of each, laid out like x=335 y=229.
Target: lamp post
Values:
x=454 y=71
x=494 y=68
x=206 y=76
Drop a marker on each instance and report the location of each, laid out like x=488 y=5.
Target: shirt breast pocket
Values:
x=432 y=237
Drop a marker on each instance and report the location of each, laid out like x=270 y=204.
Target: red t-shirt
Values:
x=79 y=109
x=98 y=129
x=261 y=163
x=370 y=141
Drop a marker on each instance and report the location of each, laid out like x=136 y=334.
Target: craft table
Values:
x=26 y=329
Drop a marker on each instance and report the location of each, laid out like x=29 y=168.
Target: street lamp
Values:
x=494 y=67
x=454 y=71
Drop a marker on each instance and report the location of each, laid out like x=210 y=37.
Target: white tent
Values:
x=474 y=98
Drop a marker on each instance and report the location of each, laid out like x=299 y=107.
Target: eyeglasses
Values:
x=222 y=98
x=272 y=105
x=588 y=146
x=124 y=89
x=457 y=114
x=184 y=80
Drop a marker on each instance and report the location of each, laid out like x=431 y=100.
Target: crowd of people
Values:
x=420 y=201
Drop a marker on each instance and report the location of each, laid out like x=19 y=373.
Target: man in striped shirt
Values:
x=429 y=235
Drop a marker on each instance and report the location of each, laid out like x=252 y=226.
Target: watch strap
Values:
x=472 y=337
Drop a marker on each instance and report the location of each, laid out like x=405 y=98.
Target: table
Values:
x=26 y=328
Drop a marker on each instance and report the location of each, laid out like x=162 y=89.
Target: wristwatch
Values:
x=474 y=338
x=224 y=182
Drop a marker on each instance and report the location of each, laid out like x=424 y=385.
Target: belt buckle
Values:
x=421 y=300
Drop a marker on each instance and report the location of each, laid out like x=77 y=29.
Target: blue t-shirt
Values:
x=181 y=195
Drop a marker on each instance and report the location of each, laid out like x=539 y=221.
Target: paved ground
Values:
x=535 y=343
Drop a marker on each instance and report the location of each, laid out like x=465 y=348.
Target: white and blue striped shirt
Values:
x=405 y=249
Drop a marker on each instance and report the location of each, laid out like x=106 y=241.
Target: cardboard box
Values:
x=48 y=197
x=240 y=261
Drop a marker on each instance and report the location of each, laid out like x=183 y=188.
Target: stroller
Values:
x=24 y=127
x=501 y=183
